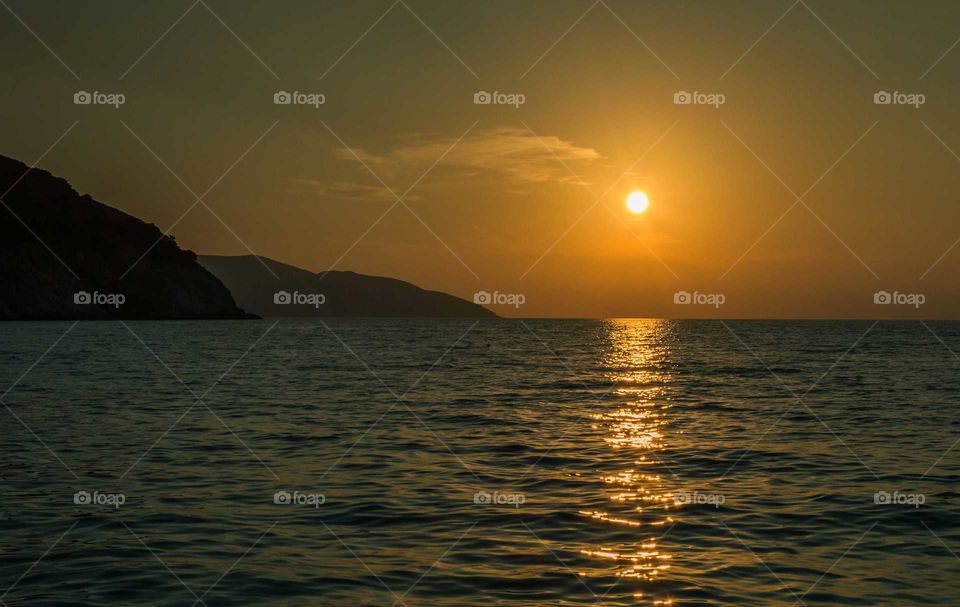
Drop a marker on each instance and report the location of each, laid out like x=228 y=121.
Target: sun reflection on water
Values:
x=635 y=427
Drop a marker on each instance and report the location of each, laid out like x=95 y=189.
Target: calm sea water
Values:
x=498 y=463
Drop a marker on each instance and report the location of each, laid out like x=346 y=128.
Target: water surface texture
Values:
x=451 y=463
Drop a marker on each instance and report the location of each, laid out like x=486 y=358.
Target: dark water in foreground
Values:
x=615 y=462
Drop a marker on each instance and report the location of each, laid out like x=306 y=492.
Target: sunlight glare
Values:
x=637 y=202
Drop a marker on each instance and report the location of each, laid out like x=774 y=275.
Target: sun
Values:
x=637 y=202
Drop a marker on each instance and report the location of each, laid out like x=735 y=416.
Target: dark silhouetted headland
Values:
x=299 y=292
x=67 y=256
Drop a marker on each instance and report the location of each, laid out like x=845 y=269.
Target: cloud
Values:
x=514 y=157
x=510 y=152
x=346 y=190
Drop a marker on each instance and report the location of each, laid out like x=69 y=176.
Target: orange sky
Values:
x=504 y=198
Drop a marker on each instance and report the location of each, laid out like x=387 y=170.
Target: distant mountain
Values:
x=42 y=219
x=300 y=292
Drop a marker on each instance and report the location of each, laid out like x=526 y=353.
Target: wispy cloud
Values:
x=513 y=156
x=346 y=190
x=511 y=151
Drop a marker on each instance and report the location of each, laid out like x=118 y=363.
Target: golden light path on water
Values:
x=639 y=495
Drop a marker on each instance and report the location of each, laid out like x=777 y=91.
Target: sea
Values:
x=519 y=463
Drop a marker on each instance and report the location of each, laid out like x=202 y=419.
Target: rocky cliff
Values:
x=67 y=256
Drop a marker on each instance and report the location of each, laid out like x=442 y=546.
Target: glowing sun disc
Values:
x=637 y=202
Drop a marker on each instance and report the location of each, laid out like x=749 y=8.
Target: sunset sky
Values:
x=504 y=209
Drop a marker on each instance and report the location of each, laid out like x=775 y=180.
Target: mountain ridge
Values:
x=335 y=292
